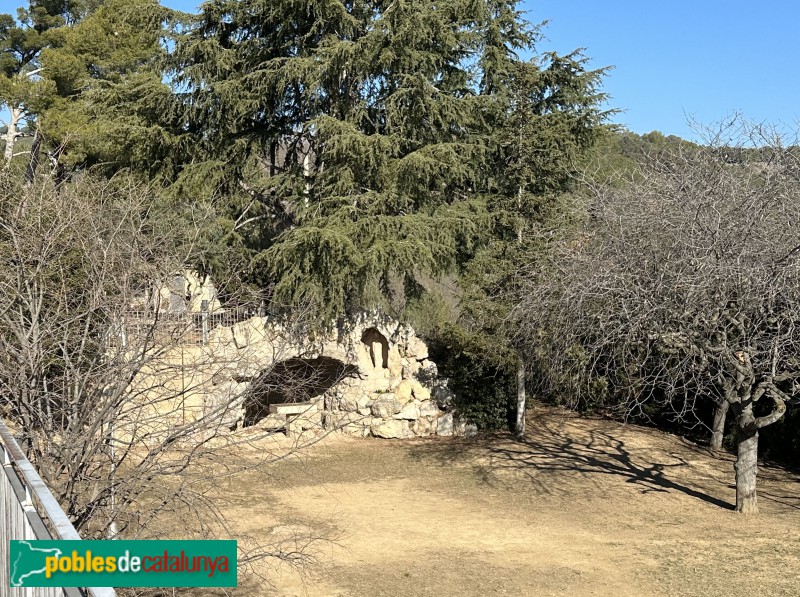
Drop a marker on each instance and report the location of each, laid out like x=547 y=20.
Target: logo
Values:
x=121 y=563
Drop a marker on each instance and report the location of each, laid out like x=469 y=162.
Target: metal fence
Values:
x=184 y=328
x=30 y=511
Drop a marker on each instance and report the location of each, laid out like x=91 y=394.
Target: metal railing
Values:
x=30 y=511
x=184 y=328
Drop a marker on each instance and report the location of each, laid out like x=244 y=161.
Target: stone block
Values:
x=248 y=332
x=464 y=428
x=348 y=404
x=420 y=391
x=428 y=408
x=395 y=364
x=376 y=383
x=221 y=336
x=335 y=420
x=246 y=370
x=385 y=407
x=404 y=392
x=392 y=429
x=424 y=426
x=444 y=425
x=410 y=369
x=410 y=412
x=459 y=427
x=220 y=405
x=354 y=429
x=417 y=349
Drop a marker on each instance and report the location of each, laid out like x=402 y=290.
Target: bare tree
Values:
x=681 y=283
x=125 y=425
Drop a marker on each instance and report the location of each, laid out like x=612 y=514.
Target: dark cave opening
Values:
x=294 y=380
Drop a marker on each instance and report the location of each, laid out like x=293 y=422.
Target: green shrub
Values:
x=483 y=382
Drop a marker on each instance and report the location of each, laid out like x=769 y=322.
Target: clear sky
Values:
x=676 y=59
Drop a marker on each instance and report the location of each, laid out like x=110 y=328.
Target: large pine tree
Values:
x=24 y=91
x=86 y=76
x=370 y=142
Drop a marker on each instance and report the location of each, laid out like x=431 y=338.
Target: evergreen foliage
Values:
x=376 y=142
x=23 y=90
x=479 y=375
x=112 y=107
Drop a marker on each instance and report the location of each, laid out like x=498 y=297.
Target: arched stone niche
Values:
x=378 y=347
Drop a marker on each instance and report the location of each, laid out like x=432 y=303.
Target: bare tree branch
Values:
x=681 y=280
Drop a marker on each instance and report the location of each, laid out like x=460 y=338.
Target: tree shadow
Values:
x=784 y=499
x=549 y=458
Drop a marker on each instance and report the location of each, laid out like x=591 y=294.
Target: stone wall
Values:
x=370 y=377
x=392 y=389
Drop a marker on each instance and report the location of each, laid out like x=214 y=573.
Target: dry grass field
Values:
x=581 y=507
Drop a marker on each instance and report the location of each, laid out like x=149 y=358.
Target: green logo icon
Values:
x=29 y=561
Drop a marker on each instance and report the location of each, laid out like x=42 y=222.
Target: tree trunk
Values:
x=718 y=427
x=12 y=134
x=746 y=463
x=520 y=430
x=33 y=161
x=58 y=171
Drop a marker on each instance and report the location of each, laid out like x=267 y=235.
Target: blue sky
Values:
x=704 y=59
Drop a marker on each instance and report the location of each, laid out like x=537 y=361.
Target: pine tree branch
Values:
x=248 y=221
x=278 y=209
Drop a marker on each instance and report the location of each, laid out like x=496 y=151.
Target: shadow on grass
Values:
x=549 y=458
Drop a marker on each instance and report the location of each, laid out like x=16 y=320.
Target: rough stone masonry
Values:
x=372 y=376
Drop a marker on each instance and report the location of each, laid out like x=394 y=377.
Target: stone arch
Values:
x=295 y=380
x=378 y=347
